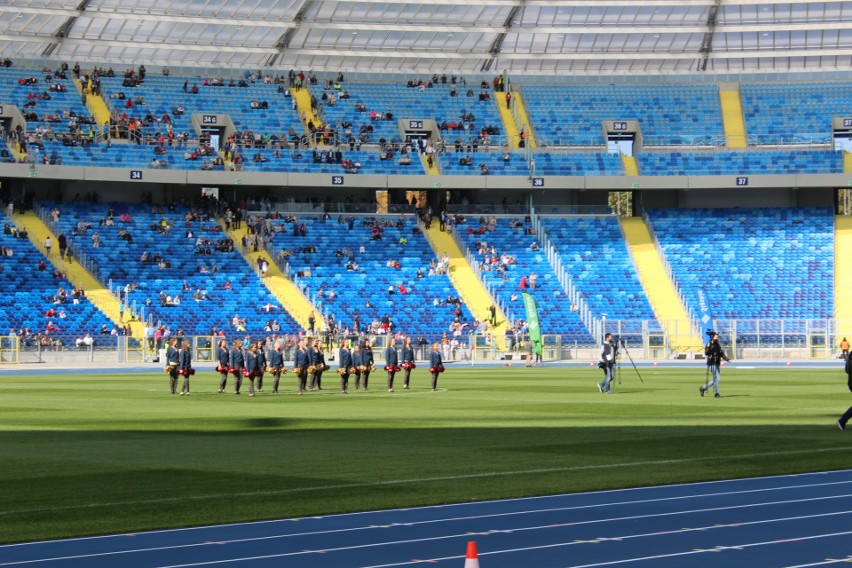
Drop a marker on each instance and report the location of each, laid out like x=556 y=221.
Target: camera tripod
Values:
x=619 y=344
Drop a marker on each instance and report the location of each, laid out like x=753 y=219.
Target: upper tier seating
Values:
x=54 y=112
x=794 y=112
x=409 y=103
x=570 y=164
x=555 y=315
x=733 y=163
x=162 y=93
x=30 y=293
x=120 y=261
x=413 y=313
x=672 y=114
x=595 y=256
x=753 y=263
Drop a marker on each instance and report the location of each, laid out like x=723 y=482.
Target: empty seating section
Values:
x=409 y=103
x=29 y=293
x=794 y=112
x=345 y=293
x=120 y=261
x=555 y=315
x=753 y=263
x=595 y=256
x=733 y=163
x=516 y=165
x=162 y=93
x=672 y=114
x=54 y=112
x=570 y=164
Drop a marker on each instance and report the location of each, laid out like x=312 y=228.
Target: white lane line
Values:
x=826 y=562
x=518 y=529
x=477 y=504
x=524 y=549
x=623 y=561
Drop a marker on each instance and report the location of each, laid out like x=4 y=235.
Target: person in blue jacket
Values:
x=300 y=366
x=407 y=361
x=391 y=363
x=318 y=363
x=309 y=352
x=320 y=354
x=224 y=359
x=261 y=364
x=238 y=364
x=276 y=363
x=185 y=366
x=345 y=359
x=841 y=423
x=173 y=364
x=436 y=365
x=251 y=366
x=368 y=361
x=357 y=364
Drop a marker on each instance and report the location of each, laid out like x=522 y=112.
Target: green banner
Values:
x=532 y=321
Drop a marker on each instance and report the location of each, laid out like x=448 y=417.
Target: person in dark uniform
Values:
x=436 y=365
x=172 y=364
x=276 y=365
x=251 y=370
x=224 y=359
x=345 y=360
x=368 y=361
x=357 y=364
x=715 y=355
x=391 y=363
x=841 y=423
x=261 y=364
x=300 y=366
x=407 y=361
x=185 y=358
x=315 y=358
x=319 y=362
x=238 y=364
x=309 y=353
x=606 y=363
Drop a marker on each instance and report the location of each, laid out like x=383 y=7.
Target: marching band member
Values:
x=357 y=365
x=407 y=361
x=391 y=363
x=312 y=369
x=251 y=370
x=172 y=363
x=276 y=365
x=238 y=363
x=345 y=359
x=320 y=363
x=300 y=366
x=367 y=359
x=185 y=359
x=261 y=364
x=436 y=365
x=224 y=359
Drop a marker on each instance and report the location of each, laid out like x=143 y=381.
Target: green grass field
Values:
x=114 y=453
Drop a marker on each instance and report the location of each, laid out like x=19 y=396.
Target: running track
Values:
x=791 y=521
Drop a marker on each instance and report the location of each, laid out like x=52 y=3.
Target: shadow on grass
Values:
x=72 y=483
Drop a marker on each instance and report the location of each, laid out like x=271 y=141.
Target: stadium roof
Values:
x=521 y=36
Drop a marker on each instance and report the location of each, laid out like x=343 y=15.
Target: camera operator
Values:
x=607 y=362
x=715 y=355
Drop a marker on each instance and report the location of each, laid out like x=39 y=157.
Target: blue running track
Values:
x=786 y=521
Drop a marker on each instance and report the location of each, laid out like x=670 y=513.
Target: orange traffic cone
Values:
x=472 y=559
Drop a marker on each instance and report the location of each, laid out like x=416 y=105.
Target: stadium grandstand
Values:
x=277 y=167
